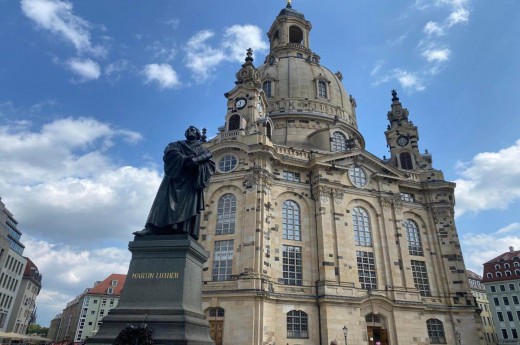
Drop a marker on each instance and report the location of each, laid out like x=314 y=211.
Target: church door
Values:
x=216 y=329
x=375 y=334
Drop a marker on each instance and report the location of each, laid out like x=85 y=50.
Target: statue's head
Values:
x=192 y=133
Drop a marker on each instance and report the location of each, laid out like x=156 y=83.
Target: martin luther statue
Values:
x=180 y=199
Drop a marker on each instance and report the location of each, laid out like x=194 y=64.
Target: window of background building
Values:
x=506 y=300
x=514 y=333
x=510 y=316
x=366 y=270
x=222 y=260
x=500 y=316
x=504 y=334
x=297 y=324
x=495 y=300
x=292 y=265
x=515 y=300
x=493 y=288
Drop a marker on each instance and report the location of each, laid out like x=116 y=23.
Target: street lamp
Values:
x=345 y=331
x=457 y=335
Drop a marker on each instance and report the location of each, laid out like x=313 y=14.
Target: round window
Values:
x=227 y=163
x=358 y=177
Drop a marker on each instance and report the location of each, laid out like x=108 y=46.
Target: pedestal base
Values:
x=163 y=290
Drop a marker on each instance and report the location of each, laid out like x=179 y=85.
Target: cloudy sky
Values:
x=91 y=91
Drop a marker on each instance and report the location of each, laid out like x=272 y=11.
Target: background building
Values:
x=83 y=315
x=488 y=334
x=502 y=282
x=12 y=264
x=24 y=307
x=309 y=232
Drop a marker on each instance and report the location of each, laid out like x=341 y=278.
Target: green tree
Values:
x=34 y=328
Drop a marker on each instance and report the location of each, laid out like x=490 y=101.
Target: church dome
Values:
x=298 y=88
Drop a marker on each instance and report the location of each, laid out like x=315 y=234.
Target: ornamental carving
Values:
x=321 y=193
x=386 y=203
x=395 y=200
x=337 y=194
x=441 y=214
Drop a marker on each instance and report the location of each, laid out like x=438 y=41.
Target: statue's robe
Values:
x=180 y=197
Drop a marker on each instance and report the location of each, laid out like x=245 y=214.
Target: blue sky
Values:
x=92 y=91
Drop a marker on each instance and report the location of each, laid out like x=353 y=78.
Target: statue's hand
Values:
x=202 y=158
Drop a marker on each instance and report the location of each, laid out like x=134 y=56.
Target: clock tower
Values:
x=247 y=103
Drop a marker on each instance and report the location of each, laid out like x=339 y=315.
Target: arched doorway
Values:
x=215 y=317
x=376 y=329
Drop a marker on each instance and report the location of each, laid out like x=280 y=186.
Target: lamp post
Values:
x=457 y=335
x=345 y=331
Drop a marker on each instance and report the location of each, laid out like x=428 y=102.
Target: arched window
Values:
x=295 y=35
x=268 y=130
x=234 y=122
x=508 y=273
x=406 y=161
x=435 y=331
x=498 y=274
x=414 y=238
x=291 y=221
x=517 y=272
x=297 y=324
x=507 y=265
x=226 y=214
x=216 y=312
x=339 y=142
x=322 y=89
x=497 y=266
x=372 y=318
x=516 y=264
x=266 y=86
x=361 y=223
x=489 y=275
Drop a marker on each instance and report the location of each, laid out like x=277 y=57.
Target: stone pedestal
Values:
x=163 y=290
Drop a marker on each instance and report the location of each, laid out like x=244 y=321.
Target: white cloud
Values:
x=202 y=58
x=509 y=228
x=491 y=180
x=433 y=28
x=481 y=247
x=437 y=55
x=57 y=17
x=163 y=74
x=86 y=68
x=60 y=180
x=67 y=271
x=238 y=38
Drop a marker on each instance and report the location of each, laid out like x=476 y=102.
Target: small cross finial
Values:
x=394 y=96
x=289 y=4
x=249 y=54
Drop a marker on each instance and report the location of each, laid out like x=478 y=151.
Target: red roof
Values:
x=504 y=267
x=102 y=287
x=505 y=256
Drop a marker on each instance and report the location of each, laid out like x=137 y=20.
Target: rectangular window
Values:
x=514 y=333
x=510 y=316
x=292 y=265
x=366 y=270
x=504 y=334
x=506 y=300
x=291 y=176
x=511 y=287
x=223 y=260
x=502 y=288
x=495 y=300
x=493 y=288
x=500 y=316
x=420 y=277
x=515 y=299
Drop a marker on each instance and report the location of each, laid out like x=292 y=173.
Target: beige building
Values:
x=488 y=334
x=309 y=233
x=83 y=315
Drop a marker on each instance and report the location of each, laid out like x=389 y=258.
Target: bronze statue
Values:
x=180 y=199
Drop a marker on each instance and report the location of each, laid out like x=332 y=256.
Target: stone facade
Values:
x=488 y=334
x=309 y=233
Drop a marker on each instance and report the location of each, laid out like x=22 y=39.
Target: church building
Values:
x=312 y=239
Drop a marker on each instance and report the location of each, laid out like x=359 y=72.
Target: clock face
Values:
x=240 y=103
x=402 y=141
